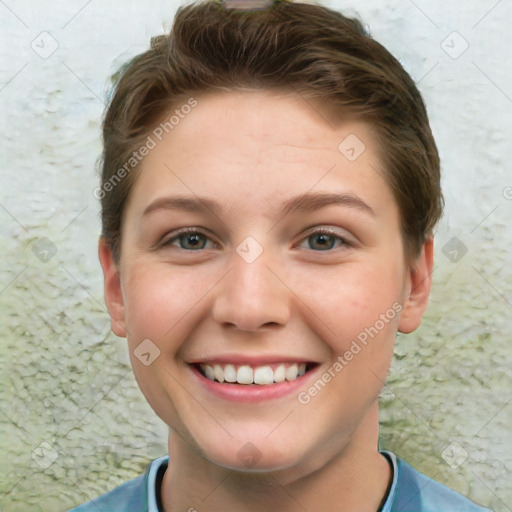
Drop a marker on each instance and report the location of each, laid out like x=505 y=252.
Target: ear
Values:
x=417 y=288
x=112 y=289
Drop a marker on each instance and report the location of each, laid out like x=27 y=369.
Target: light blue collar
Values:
x=151 y=482
x=155 y=466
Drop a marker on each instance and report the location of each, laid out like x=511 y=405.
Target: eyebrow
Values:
x=315 y=201
x=190 y=204
x=303 y=203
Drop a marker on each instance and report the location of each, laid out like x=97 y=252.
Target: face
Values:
x=256 y=252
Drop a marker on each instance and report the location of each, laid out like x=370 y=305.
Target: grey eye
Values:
x=322 y=241
x=191 y=241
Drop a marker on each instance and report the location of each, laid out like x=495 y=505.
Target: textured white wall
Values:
x=66 y=380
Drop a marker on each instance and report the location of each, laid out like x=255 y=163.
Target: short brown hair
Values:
x=305 y=47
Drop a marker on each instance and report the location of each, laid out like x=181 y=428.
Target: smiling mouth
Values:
x=263 y=375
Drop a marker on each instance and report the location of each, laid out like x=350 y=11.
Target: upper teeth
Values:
x=253 y=375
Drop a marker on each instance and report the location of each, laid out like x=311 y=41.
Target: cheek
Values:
x=159 y=300
x=359 y=303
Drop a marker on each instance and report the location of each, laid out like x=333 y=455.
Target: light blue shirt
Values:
x=410 y=491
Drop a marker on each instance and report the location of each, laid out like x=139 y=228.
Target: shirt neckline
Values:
x=391 y=458
x=154 y=482
x=158 y=466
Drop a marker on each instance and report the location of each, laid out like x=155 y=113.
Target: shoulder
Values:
x=127 y=497
x=417 y=492
x=138 y=494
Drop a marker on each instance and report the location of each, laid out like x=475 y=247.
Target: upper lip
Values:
x=250 y=360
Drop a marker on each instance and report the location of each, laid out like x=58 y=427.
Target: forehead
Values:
x=265 y=146
x=275 y=123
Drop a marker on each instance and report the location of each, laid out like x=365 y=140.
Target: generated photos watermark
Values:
x=151 y=142
x=356 y=347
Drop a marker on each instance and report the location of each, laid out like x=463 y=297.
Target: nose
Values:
x=252 y=297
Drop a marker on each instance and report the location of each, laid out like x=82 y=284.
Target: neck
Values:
x=348 y=475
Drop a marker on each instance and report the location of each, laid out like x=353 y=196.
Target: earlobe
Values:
x=112 y=289
x=418 y=285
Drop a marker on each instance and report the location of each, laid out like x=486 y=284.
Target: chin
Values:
x=258 y=456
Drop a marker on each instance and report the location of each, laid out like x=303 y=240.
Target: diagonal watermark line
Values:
x=75 y=15
x=198 y=402
x=492 y=81
x=22 y=479
x=488 y=282
x=206 y=206
x=427 y=73
x=492 y=490
x=87 y=496
x=482 y=221
x=13 y=77
x=315 y=111
x=404 y=403
x=13 y=217
x=486 y=14
x=86 y=85
x=277 y=484
x=428 y=276
x=217 y=486
x=58 y=441
x=198 y=301
x=14 y=424
x=93 y=406
x=12 y=280
x=74 y=218
x=411 y=498
x=307 y=191
x=102 y=306
x=13 y=13
x=424 y=13
x=282 y=421
x=321 y=320
x=497 y=413
x=290 y=495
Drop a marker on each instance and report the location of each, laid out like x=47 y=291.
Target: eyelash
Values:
x=344 y=241
x=184 y=231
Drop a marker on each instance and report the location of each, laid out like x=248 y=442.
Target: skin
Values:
x=251 y=151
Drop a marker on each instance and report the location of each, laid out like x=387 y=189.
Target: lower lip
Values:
x=251 y=392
